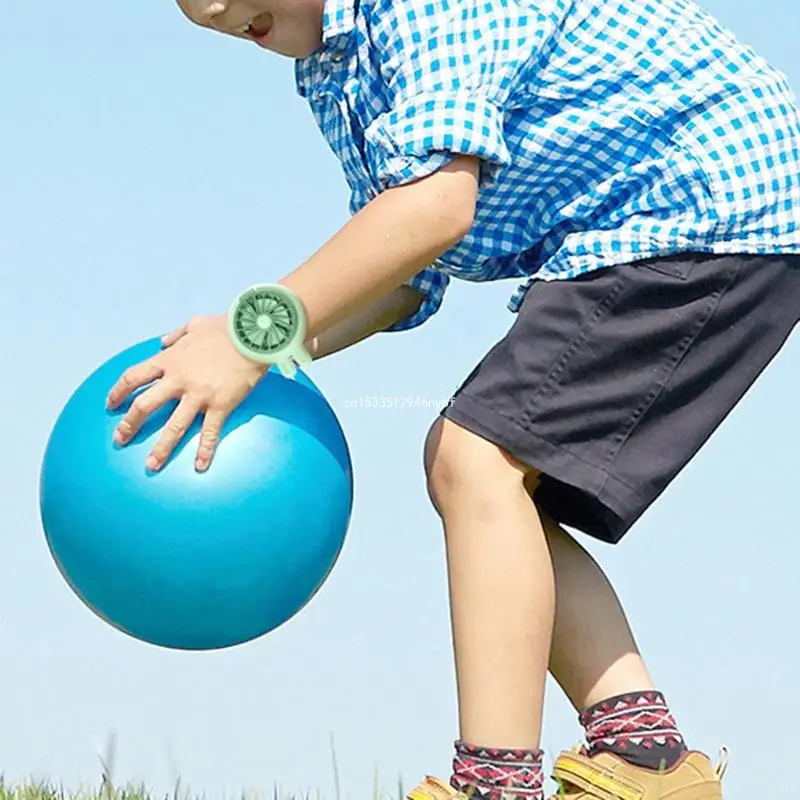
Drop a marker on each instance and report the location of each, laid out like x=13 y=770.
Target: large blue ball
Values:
x=198 y=561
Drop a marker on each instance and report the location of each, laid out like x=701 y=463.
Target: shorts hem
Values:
x=620 y=506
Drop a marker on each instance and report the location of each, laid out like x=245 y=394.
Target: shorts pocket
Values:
x=679 y=266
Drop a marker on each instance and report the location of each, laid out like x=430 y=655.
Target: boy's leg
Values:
x=502 y=556
x=507 y=566
x=595 y=660
x=590 y=622
x=502 y=604
x=501 y=559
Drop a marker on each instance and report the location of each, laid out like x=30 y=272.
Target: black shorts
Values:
x=608 y=384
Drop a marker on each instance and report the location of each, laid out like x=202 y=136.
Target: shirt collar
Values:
x=338 y=22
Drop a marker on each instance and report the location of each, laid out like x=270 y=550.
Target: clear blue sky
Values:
x=150 y=171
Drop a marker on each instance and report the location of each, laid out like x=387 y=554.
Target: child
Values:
x=638 y=169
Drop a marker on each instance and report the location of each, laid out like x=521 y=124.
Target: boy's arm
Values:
x=398 y=305
x=400 y=232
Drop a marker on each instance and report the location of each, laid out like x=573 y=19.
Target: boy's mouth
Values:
x=259 y=27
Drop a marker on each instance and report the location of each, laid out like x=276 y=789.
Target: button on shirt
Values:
x=608 y=131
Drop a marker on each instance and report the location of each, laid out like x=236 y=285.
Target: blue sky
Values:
x=150 y=171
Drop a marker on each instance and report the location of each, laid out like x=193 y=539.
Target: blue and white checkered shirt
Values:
x=608 y=130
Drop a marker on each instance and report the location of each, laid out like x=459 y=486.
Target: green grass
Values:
x=107 y=790
x=46 y=791
x=50 y=791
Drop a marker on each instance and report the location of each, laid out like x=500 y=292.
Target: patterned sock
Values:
x=637 y=727
x=491 y=773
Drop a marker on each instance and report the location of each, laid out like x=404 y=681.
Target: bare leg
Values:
x=502 y=591
x=594 y=655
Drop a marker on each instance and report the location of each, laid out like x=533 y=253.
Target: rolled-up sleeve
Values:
x=447 y=68
x=431 y=284
x=421 y=134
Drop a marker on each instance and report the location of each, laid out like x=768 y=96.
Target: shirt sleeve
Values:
x=448 y=68
x=431 y=284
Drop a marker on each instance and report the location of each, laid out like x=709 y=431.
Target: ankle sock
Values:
x=490 y=773
x=637 y=727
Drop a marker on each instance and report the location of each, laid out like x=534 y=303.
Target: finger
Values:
x=209 y=437
x=132 y=379
x=176 y=428
x=141 y=408
x=169 y=339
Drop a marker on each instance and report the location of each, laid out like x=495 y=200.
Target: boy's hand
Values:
x=200 y=368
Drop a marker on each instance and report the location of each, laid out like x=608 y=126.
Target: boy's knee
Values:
x=460 y=466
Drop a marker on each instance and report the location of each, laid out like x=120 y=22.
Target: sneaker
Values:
x=434 y=789
x=606 y=776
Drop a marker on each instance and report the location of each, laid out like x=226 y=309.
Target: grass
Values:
x=49 y=791
x=107 y=790
x=46 y=791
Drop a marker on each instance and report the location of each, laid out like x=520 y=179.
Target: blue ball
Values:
x=188 y=560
